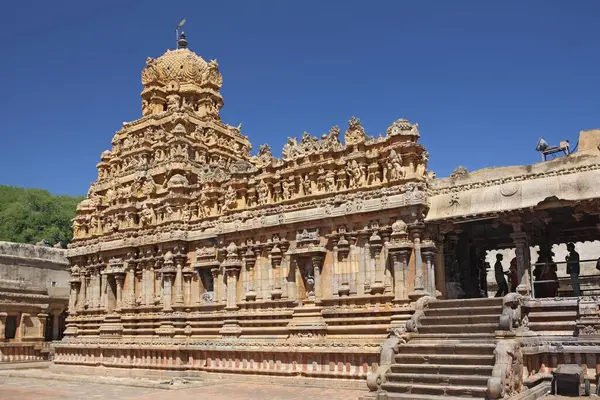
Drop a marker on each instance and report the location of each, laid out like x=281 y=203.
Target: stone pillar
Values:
x=82 y=288
x=369 y=276
x=91 y=290
x=130 y=278
x=276 y=258
x=429 y=257
x=103 y=283
x=419 y=287
x=73 y=296
x=167 y=292
x=216 y=288
x=440 y=267
x=343 y=251
x=187 y=283
x=179 y=284
x=376 y=245
x=120 y=279
x=523 y=263
x=200 y=286
x=400 y=261
x=144 y=284
x=258 y=275
x=292 y=282
x=232 y=274
x=249 y=263
x=388 y=285
x=351 y=270
x=285 y=270
x=55 y=324
x=151 y=283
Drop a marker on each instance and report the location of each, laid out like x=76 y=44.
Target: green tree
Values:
x=32 y=215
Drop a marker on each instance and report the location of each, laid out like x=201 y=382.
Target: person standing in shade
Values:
x=500 y=279
x=573 y=268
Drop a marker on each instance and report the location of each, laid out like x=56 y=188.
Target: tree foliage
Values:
x=32 y=215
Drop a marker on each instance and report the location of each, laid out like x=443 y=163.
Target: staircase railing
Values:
x=397 y=337
x=507 y=374
x=389 y=349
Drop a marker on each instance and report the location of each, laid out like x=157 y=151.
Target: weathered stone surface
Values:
x=34 y=291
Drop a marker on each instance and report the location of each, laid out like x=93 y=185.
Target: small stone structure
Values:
x=34 y=289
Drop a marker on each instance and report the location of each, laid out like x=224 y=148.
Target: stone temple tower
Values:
x=189 y=254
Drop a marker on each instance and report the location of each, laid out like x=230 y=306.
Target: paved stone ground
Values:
x=13 y=388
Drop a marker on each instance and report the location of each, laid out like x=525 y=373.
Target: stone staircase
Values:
x=451 y=356
x=552 y=318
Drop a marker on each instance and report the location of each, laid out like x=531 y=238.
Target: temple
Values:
x=344 y=259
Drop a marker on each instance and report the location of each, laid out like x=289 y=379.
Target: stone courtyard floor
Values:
x=17 y=388
x=45 y=387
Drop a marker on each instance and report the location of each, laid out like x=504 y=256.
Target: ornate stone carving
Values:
x=355 y=133
x=459 y=172
x=394 y=166
x=403 y=127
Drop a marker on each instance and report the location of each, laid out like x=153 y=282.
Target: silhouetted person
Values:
x=500 y=279
x=573 y=268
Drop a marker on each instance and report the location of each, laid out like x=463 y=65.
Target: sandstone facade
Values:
x=192 y=256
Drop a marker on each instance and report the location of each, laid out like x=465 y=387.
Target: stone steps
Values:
x=460 y=319
x=485 y=310
x=439 y=379
x=552 y=316
x=450 y=359
x=444 y=369
x=452 y=354
x=466 y=303
x=435 y=390
x=485 y=337
x=451 y=329
x=448 y=348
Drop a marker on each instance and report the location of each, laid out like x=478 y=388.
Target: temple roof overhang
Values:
x=488 y=192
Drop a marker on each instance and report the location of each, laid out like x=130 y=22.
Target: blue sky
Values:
x=484 y=79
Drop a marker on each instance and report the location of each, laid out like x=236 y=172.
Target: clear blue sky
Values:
x=484 y=79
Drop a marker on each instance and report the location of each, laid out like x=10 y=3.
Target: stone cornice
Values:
x=326 y=210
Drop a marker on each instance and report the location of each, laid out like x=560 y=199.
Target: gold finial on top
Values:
x=182 y=43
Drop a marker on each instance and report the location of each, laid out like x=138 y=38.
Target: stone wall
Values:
x=36 y=266
x=34 y=293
